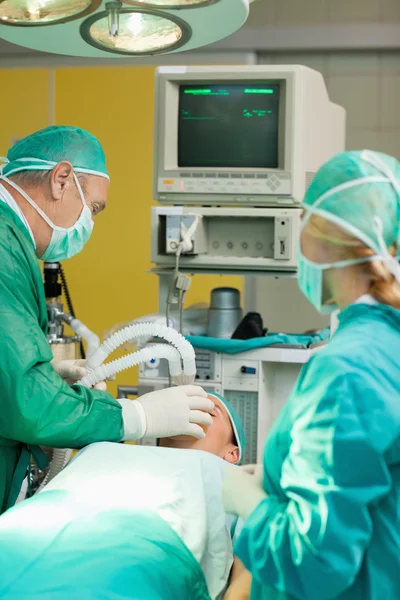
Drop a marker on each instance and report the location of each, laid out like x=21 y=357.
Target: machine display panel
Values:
x=228 y=126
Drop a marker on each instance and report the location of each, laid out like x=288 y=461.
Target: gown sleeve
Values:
x=37 y=407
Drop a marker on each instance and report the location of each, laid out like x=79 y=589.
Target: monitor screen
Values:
x=231 y=126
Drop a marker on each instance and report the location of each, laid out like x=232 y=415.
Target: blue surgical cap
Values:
x=45 y=148
x=236 y=422
x=355 y=190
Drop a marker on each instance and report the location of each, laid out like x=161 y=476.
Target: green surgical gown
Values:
x=56 y=546
x=36 y=406
x=330 y=526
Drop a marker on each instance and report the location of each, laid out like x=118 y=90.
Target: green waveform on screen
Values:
x=206 y=92
x=258 y=91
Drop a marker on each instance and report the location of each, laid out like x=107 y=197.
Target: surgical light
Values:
x=118 y=29
x=44 y=12
x=134 y=31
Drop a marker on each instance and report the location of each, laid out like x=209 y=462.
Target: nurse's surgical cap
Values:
x=360 y=192
x=236 y=422
x=43 y=149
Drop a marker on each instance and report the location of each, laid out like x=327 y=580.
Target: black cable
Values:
x=70 y=305
x=66 y=292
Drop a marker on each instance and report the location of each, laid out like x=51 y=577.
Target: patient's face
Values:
x=219 y=439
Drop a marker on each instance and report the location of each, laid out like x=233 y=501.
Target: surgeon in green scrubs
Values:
x=52 y=184
x=323 y=511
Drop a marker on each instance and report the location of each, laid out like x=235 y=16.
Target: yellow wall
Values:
x=107 y=281
x=24 y=104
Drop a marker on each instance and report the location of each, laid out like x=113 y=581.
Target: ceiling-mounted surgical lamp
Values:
x=134 y=31
x=44 y=12
x=117 y=29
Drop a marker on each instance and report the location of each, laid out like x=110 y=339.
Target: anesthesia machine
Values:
x=235 y=150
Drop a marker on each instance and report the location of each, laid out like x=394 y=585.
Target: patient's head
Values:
x=224 y=438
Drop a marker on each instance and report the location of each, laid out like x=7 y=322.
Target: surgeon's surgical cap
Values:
x=45 y=148
x=236 y=422
x=357 y=190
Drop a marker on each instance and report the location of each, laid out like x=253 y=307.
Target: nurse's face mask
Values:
x=65 y=242
x=310 y=273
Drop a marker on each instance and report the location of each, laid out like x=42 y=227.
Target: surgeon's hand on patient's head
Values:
x=181 y=410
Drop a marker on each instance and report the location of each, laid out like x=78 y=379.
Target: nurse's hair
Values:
x=383 y=287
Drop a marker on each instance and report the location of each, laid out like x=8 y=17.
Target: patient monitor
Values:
x=241 y=136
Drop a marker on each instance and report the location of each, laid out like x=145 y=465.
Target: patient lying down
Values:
x=128 y=522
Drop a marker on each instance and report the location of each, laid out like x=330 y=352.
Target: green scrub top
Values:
x=36 y=406
x=330 y=526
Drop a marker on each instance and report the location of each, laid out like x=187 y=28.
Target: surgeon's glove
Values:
x=72 y=371
x=242 y=490
x=180 y=410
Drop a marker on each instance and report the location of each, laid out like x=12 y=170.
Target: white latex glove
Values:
x=177 y=411
x=72 y=371
x=172 y=411
x=242 y=489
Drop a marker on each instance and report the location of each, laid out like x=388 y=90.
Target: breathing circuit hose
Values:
x=99 y=372
x=143 y=330
x=103 y=372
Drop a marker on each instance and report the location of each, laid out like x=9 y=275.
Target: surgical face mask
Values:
x=310 y=279
x=65 y=242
